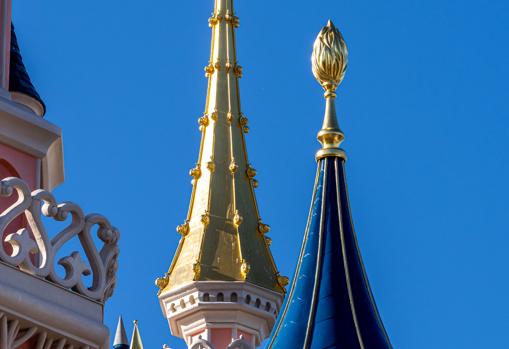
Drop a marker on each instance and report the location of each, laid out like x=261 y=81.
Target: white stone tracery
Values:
x=13 y=335
x=37 y=255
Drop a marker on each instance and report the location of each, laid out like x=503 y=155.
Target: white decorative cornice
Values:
x=203 y=305
x=22 y=129
x=38 y=255
x=57 y=311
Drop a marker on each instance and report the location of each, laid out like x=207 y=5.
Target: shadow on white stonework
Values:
x=34 y=250
x=15 y=334
x=240 y=343
x=202 y=344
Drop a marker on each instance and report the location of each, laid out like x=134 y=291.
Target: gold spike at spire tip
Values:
x=329 y=63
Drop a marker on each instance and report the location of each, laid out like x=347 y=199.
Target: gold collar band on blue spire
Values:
x=329 y=61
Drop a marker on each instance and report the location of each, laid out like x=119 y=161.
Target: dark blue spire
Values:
x=18 y=75
x=330 y=304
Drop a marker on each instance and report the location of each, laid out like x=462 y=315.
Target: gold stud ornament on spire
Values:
x=329 y=61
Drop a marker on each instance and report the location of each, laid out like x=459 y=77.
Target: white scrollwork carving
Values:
x=32 y=249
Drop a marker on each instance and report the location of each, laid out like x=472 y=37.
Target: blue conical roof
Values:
x=18 y=75
x=330 y=304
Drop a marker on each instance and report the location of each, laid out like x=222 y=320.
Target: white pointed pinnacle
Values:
x=120 y=334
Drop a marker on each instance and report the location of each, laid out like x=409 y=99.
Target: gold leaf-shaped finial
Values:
x=330 y=57
x=183 y=229
x=237 y=218
x=263 y=228
x=245 y=268
x=283 y=281
x=197 y=270
x=162 y=282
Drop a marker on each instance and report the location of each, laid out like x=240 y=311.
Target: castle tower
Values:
x=330 y=303
x=223 y=285
x=54 y=279
x=30 y=147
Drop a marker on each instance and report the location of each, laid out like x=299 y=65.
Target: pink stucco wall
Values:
x=14 y=163
x=24 y=165
x=220 y=338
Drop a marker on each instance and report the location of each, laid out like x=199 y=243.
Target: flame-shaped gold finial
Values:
x=329 y=61
x=330 y=57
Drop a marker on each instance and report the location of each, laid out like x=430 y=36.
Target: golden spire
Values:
x=223 y=234
x=329 y=61
x=136 y=342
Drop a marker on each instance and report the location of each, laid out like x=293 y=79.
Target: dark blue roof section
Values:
x=330 y=304
x=19 y=79
x=120 y=346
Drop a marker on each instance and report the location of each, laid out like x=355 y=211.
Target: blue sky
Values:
x=425 y=110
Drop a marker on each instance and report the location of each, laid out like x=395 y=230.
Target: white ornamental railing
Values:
x=34 y=251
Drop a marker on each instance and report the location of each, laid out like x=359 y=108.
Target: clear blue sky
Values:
x=425 y=109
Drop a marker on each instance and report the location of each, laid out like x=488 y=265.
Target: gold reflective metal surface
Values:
x=329 y=63
x=330 y=57
x=223 y=237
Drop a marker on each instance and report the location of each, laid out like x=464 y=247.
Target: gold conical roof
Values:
x=136 y=342
x=223 y=237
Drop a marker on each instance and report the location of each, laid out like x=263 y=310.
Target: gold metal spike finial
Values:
x=162 y=282
x=245 y=268
x=329 y=62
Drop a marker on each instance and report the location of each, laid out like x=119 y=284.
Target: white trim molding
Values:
x=204 y=305
x=33 y=308
x=28 y=101
x=23 y=130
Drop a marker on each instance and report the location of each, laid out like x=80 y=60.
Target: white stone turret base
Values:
x=217 y=314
